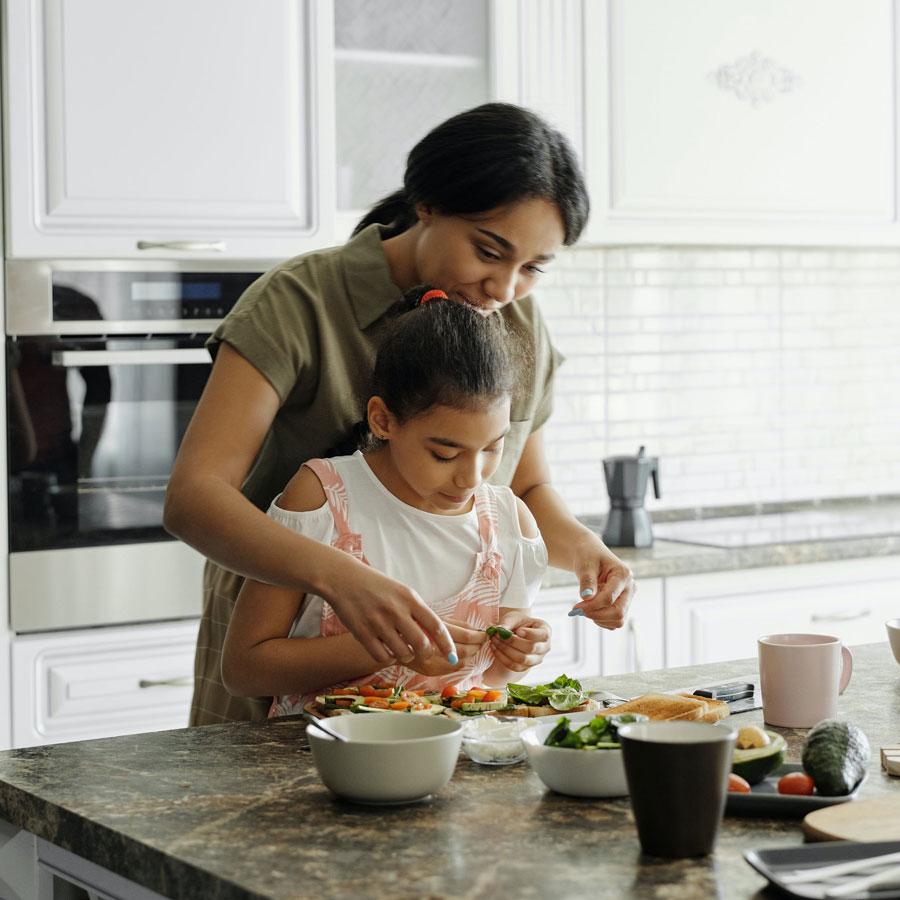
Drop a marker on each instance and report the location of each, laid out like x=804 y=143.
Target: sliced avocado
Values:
x=754 y=763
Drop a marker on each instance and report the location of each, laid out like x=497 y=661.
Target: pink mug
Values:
x=800 y=677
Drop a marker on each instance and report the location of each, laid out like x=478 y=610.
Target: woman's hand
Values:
x=468 y=642
x=606 y=583
x=528 y=645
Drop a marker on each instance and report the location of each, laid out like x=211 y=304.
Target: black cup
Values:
x=678 y=781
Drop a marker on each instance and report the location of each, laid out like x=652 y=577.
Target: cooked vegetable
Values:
x=562 y=694
x=601 y=733
x=501 y=632
x=752 y=736
x=737 y=785
x=835 y=754
x=754 y=763
x=796 y=783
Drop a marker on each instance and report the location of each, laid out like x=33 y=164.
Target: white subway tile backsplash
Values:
x=755 y=375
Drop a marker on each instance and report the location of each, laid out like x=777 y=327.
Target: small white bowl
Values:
x=893 y=632
x=394 y=758
x=579 y=773
x=495 y=740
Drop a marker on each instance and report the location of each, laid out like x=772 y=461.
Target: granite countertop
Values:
x=719 y=539
x=238 y=811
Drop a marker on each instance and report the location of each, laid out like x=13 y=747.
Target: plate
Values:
x=764 y=799
x=774 y=864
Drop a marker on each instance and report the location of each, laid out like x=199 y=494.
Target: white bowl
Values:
x=579 y=773
x=893 y=633
x=495 y=740
x=392 y=758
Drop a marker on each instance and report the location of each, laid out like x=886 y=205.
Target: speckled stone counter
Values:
x=239 y=812
x=675 y=557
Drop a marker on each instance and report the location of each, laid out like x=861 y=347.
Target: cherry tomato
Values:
x=796 y=783
x=738 y=785
x=450 y=691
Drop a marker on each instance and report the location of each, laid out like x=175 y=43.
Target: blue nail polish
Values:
x=576 y=612
x=587 y=592
x=452 y=658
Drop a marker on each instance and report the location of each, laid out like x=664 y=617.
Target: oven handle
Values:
x=177 y=356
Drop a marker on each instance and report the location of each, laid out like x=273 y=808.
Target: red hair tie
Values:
x=435 y=294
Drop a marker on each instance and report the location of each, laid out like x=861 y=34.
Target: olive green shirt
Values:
x=311 y=326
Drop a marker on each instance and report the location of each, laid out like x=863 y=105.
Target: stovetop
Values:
x=782 y=528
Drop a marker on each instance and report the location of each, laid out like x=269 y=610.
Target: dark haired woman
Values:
x=416 y=505
x=489 y=198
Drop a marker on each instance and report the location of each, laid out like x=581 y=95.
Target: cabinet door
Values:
x=640 y=644
x=102 y=682
x=719 y=616
x=164 y=128
x=754 y=121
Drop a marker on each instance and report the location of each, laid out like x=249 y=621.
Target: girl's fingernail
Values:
x=576 y=612
x=586 y=592
x=452 y=658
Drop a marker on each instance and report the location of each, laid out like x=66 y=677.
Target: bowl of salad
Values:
x=580 y=754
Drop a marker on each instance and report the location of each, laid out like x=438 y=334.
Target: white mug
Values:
x=800 y=677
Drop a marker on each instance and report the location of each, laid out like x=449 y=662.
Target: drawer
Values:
x=102 y=682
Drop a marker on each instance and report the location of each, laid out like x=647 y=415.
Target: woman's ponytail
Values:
x=394 y=210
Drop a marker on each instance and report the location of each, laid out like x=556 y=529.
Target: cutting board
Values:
x=877 y=819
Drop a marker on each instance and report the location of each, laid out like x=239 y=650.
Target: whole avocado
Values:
x=835 y=755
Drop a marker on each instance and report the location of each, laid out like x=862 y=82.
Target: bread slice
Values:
x=715 y=709
x=659 y=707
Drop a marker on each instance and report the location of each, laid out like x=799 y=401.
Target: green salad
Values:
x=563 y=694
x=601 y=733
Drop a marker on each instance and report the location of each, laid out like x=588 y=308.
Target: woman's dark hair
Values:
x=489 y=156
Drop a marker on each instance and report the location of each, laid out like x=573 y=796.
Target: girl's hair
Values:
x=489 y=156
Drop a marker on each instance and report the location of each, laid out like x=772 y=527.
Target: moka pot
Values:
x=628 y=523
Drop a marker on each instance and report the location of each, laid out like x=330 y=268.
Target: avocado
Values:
x=835 y=755
x=754 y=763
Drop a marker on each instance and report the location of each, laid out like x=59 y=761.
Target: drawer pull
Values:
x=842 y=616
x=185 y=681
x=188 y=246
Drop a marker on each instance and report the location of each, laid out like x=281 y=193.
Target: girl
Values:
x=489 y=197
x=417 y=506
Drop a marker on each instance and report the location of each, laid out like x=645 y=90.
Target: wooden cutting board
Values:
x=877 y=819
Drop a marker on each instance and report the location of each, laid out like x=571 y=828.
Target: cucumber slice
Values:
x=484 y=707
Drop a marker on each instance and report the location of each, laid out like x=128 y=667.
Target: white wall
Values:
x=755 y=375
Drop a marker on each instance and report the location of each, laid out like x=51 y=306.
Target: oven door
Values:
x=94 y=426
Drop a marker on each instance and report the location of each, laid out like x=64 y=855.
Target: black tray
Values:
x=773 y=864
x=764 y=799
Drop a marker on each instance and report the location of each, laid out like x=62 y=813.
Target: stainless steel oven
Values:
x=105 y=364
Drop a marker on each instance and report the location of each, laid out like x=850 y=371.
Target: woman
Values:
x=489 y=197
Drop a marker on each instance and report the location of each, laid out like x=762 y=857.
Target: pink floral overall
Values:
x=477 y=604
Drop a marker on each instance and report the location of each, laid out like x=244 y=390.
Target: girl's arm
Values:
x=605 y=582
x=205 y=508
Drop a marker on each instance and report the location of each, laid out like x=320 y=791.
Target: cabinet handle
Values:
x=184 y=681
x=217 y=246
x=636 y=645
x=842 y=616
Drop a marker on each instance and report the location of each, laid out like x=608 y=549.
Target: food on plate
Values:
x=501 y=632
x=836 y=755
x=673 y=707
x=752 y=736
x=754 y=763
x=601 y=733
x=796 y=783
x=561 y=695
x=737 y=785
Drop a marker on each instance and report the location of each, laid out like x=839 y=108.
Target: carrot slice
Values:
x=343 y=703
x=376 y=702
x=367 y=690
x=348 y=690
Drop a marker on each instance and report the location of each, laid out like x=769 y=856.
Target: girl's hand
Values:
x=528 y=645
x=468 y=642
x=606 y=583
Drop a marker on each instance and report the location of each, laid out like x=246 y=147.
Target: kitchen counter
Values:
x=730 y=538
x=238 y=811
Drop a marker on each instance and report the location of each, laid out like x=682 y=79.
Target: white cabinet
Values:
x=640 y=644
x=166 y=128
x=754 y=121
x=719 y=616
x=102 y=682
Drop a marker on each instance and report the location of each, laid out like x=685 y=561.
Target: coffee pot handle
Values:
x=654 y=473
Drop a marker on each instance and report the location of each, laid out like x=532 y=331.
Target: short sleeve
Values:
x=317 y=524
x=527 y=572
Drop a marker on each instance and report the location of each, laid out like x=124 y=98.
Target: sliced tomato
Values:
x=491 y=696
x=377 y=702
x=458 y=702
x=366 y=690
x=400 y=704
x=343 y=703
x=475 y=694
x=450 y=691
x=738 y=785
x=347 y=690
x=421 y=704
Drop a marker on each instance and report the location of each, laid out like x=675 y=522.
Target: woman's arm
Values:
x=205 y=508
x=605 y=582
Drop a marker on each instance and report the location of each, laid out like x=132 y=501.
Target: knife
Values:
x=741 y=696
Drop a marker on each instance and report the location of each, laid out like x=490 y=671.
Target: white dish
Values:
x=387 y=759
x=578 y=773
x=495 y=740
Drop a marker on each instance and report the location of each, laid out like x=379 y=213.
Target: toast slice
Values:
x=715 y=709
x=659 y=707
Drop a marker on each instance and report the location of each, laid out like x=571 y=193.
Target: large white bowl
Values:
x=579 y=773
x=893 y=632
x=390 y=758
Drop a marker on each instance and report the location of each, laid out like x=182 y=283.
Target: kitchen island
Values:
x=238 y=811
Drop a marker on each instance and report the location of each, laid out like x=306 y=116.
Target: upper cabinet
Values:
x=172 y=129
x=752 y=121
